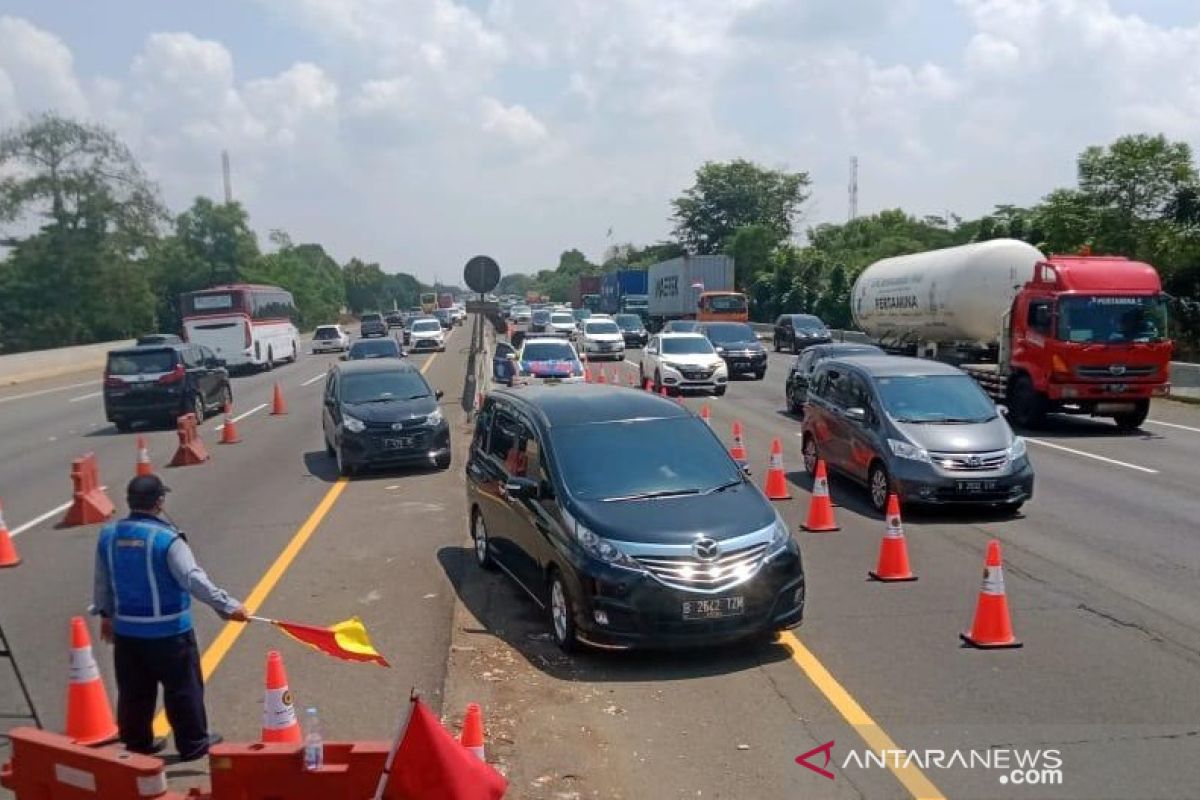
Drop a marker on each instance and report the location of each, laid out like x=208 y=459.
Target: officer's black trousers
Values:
x=174 y=662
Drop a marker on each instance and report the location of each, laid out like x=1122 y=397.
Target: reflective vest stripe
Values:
x=155 y=606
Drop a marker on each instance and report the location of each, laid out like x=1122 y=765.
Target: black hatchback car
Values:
x=632 y=329
x=738 y=345
x=676 y=547
x=386 y=347
x=799 y=376
x=381 y=412
x=797 y=331
x=157 y=383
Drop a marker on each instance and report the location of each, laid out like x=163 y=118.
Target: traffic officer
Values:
x=145 y=578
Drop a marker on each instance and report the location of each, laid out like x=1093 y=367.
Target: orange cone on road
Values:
x=648 y=386
x=8 y=551
x=143 y=458
x=738 y=451
x=278 y=406
x=820 y=508
x=893 y=550
x=706 y=415
x=777 y=488
x=89 y=716
x=279 y=715
x=229 y=434
x=600 y=375
x=472 y=732
x=992 y=627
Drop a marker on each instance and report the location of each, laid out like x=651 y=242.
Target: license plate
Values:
x=1117 y=388
x=742 y=364
x=974 y=487
x=715 y=608
x=400 y=443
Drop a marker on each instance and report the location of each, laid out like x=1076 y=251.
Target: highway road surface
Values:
x=1102 y=571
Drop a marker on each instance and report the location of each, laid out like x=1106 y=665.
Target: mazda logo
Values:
x=1117 y=369
x=706 y=549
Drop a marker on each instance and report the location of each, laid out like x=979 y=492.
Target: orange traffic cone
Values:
x=893 y=550
x=229 y=434
x=706 y=415
x=777 y=488
x=89 y=716
x=143 y=458
x=600 y=375
x=738 y=451
x=648 y=386
x=992 y=627
x=8 y=551
x=820 y=509
x=279 y=715
x=472 y=732
x=278 y=406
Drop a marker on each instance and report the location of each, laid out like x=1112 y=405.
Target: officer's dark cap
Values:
x=145 y=490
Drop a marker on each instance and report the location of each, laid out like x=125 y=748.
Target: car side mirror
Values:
x=856 y=414
x=1003 y=409
x=439 y=394
x=746 y=470
x=521 y=488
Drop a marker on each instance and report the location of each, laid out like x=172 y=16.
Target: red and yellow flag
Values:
x=346 y=640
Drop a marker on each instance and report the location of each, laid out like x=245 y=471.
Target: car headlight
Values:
x=908 y=450
x=1017 y=450
x=353 y=424
x=434 y=419
x=672 y=365
x=719 y=365
x=719 y=349
x=603 y=549
x=780 y=535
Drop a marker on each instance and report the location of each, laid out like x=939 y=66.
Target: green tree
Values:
x=364 y=286
x=309 y=273
x=730 y=195
x=218 y=235
x=751 y=247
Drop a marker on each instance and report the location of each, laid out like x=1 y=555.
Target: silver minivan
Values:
x=921 y=429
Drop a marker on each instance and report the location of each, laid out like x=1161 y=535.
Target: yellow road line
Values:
x=876 y=738
x=220 y=647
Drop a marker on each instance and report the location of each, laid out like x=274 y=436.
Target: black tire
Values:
x=809 y=452
x=792 y=406
x=295 y=353
x=795 y=347
x=759 y=375
x=345 y=469
x=226 y=397
x=270 y=365
x=123 y=425
x=443 y=460
x=879 y=486
x=658 y=384
x=329 y=451
x=720 y=391
x=479 y=540
x=198 y=407
x=562 y=614
x=1133 y=420
x=1026 y=405
x=777 y=347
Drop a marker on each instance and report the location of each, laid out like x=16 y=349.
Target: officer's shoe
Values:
x=156 y=746
x=213 y=739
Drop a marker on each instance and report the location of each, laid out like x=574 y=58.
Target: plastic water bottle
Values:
x=314 y=745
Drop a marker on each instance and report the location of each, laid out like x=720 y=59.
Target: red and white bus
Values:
x=244 y=324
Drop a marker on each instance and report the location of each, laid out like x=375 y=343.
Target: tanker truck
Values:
x=1041 y=334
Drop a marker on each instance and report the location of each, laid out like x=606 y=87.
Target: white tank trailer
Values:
x=956 y=295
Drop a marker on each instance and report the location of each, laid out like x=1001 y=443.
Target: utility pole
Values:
x=225 y=175
x=852 y=189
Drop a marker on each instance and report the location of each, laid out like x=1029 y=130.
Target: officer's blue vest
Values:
x=148 y=602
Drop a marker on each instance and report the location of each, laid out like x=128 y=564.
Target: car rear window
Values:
x=326 y=333
x=371 y=318
x=144 y=362
x=375 y=347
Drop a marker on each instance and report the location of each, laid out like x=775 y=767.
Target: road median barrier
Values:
x=191 y=450
x=89 y=503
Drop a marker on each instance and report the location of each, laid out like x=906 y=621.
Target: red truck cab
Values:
x=1088 y=335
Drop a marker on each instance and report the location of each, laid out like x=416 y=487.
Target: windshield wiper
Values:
x=652 y=495
x=376 y=400
x=723 y=486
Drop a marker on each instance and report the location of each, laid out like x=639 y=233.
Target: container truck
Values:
x=1075 y=334
x=584 y=286
x=624 y=291
x=694 y=287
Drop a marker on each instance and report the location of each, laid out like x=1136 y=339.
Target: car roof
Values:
x=374 y=342
x=582 y=403
x=805 y=317
x=885 y=365
x=843 y=348
x=334 y=327
x=375 y=365
x=544 y=340
x=682 y=335
x=147 y=348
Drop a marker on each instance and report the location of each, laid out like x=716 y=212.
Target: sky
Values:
x=418 y=133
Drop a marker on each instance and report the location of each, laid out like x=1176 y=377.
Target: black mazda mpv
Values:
x=623 y=516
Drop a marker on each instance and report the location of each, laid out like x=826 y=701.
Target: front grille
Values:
x=405 y=425
x=1105 y=372
x=696 y=374
x=970 y=462
x=689 y=573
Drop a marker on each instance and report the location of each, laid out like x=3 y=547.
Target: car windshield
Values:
x=377 y=387
x=375 y=348
x=326 y=333
x=426 y=325
x=603 y=326
x=141 y=363
x=547 y=351
x=682 y=327
x=686 y=346
x=725 y=332
x=803 y=323
x=727 y=303
x=1112 y=319
x=629 y=322
x=562 y=319
x=656 y=456
x=934 y=399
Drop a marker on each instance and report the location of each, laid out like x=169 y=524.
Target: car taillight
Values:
x=249 y=335
x=174 y=376
x=113 y=383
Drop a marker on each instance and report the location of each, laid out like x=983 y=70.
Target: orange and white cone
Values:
x=229 y=434
x=600 y=375
x=820 y=508
x=143 y=458
x=992 y=627
x=89 y=715
x=738 y=451
x=279 y=714
x=776 y=488
x=472 y=732
x=278 y=404
x=706 y=415
x=8 y=551
x=648 y=386
x=893 y=550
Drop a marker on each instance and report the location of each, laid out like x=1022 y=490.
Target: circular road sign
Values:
x=482 y=274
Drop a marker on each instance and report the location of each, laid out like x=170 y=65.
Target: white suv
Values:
x=601 y=338
x=426 y=334
x=327 y=338
x=683 y=361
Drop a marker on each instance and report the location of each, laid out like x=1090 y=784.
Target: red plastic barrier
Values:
x=90 y=504
x=191 y=450
x=47 y=766
x=271 y=771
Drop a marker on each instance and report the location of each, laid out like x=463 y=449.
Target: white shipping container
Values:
x=957 y=294
x=672 y=284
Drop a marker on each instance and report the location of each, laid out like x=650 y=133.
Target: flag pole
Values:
x=386 y=776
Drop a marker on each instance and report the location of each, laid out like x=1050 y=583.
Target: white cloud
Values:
x=514 y=123
x=36 y=72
